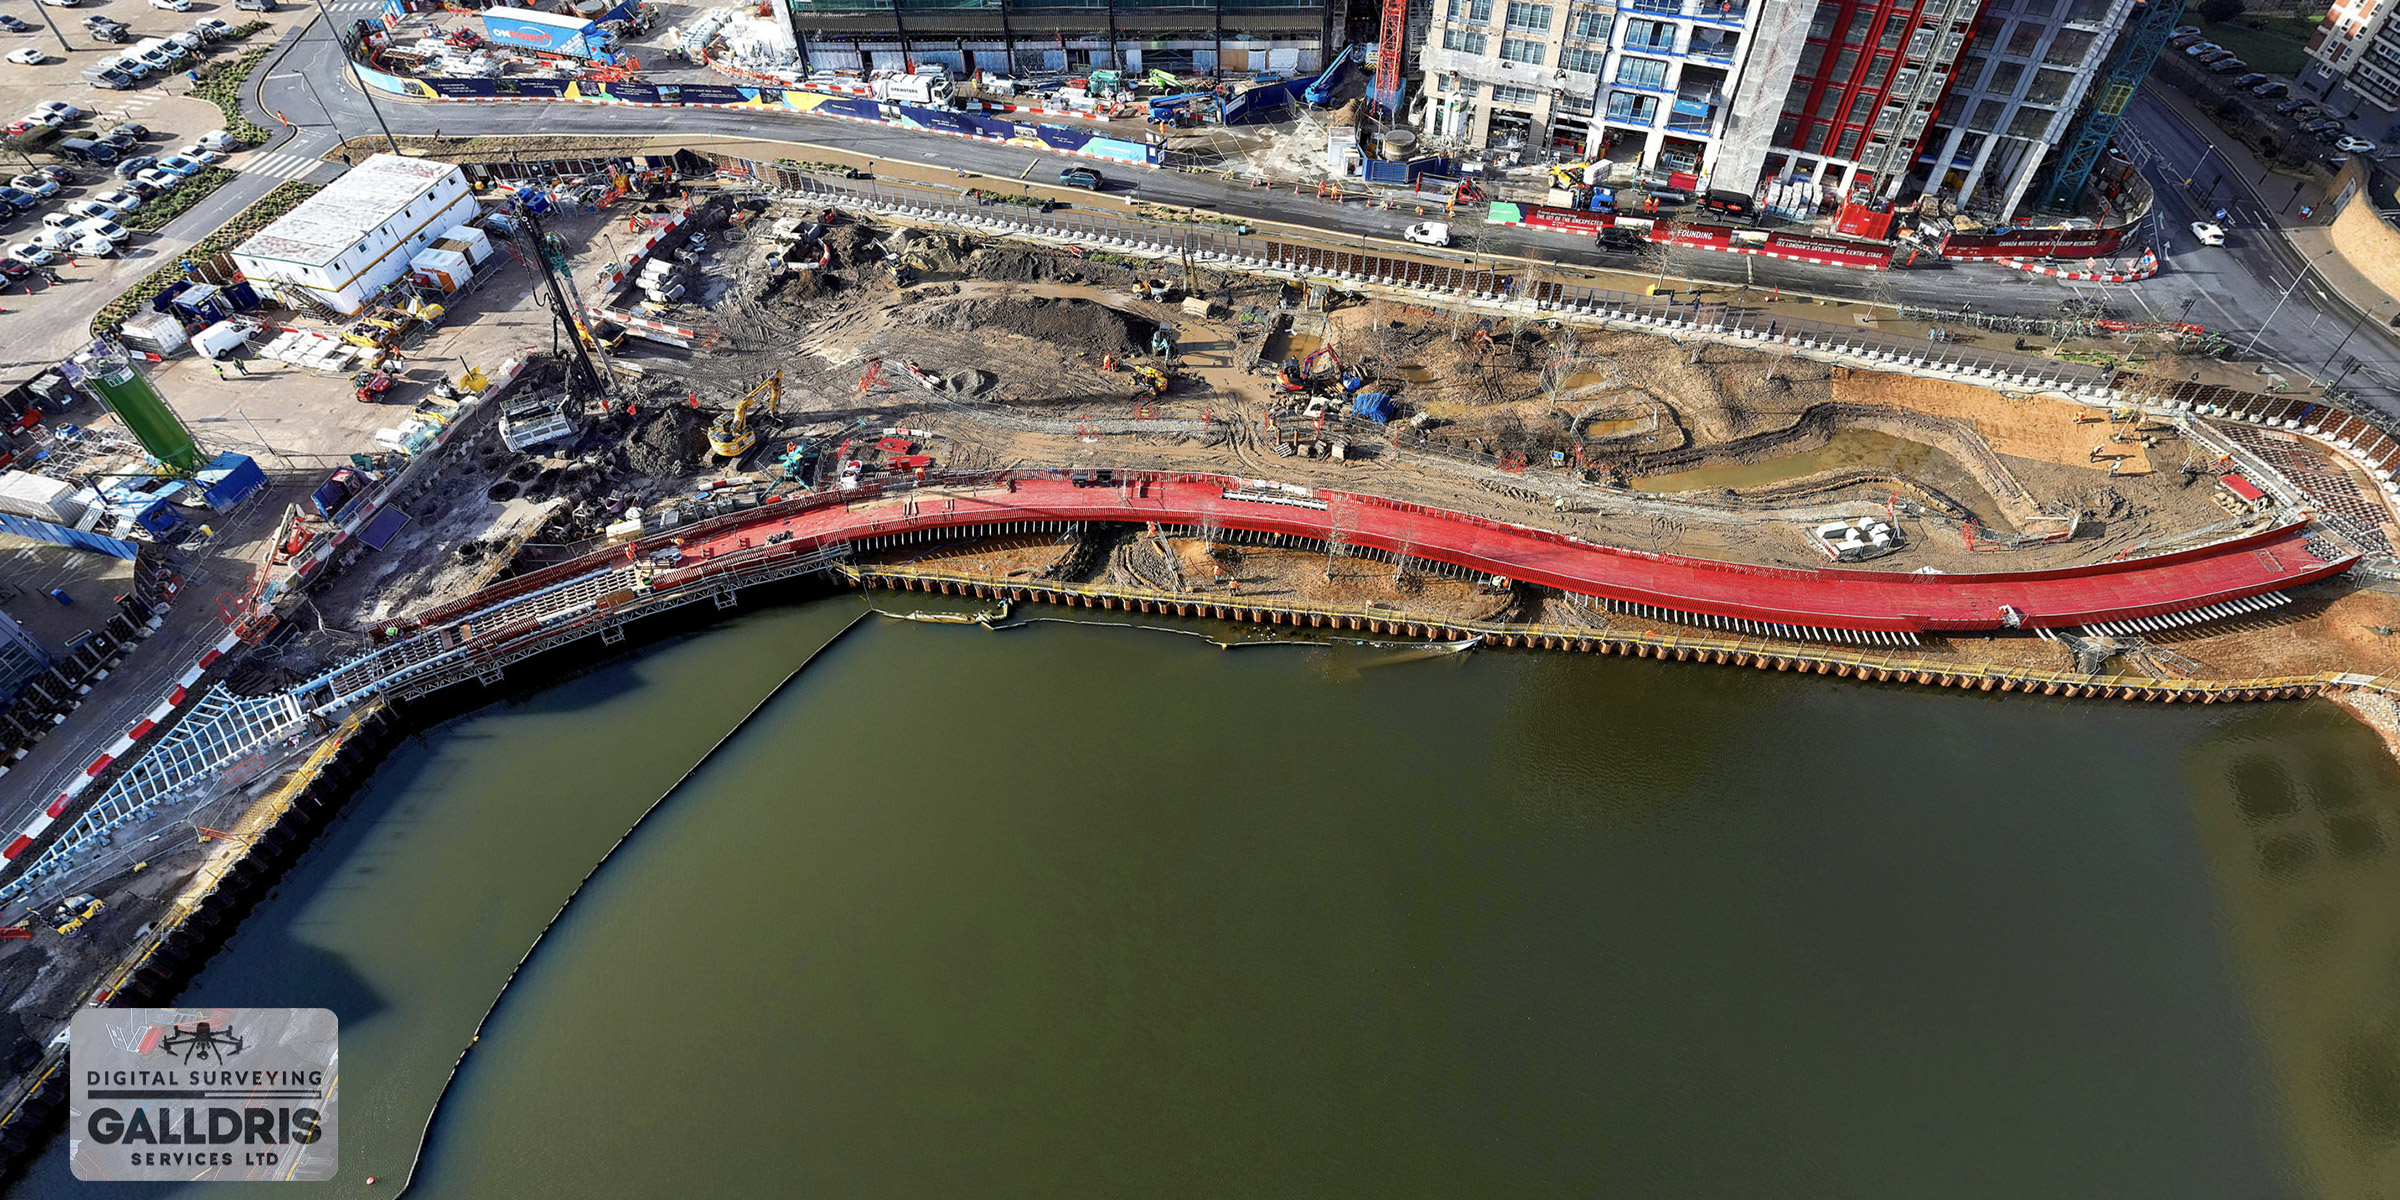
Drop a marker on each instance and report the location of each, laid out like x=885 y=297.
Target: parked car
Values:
x=11 y=268
x=142 y=188
x=2209 y=232
x=2181 y=40
x=2294 y=106
x=2214 y=54
x=18 y=200
x=121 y=199
x=61 y=3
x=201 y=154
x=62 y=110
x=2196 y=49
x=36 y=184
x=160 y=179
x=117 y=142
x=57 y=241
x=135 y=165
x=2355 y=145
x=92 y=246
x=216 y=26
x=92 y=210
x=132 y=129
x=56 y=173
x=172 y=5
x=2252 y=79
x=102 y=227
x=28 y=57
x=219 y=141
x=28 y=252
x=2272 y=89
x=181 y=166
x=14 y=25
x=1082 y=177
x=2226 y=66
x=254 y=5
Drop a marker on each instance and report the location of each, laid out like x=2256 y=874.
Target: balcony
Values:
x=1628 y=114
x=1713 y=52
x=1485 y=69
x=1693 y=114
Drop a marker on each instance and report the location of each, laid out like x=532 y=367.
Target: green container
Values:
x=129 y=395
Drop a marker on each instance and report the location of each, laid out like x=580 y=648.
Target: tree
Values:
x=2217 y=12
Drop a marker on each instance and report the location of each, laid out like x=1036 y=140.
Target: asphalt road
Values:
x=2255 y=287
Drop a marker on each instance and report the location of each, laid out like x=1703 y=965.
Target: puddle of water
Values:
x=1584 y=379
x=1617 y=427
x=1292 y=345
x=1848 y=448
x=1413 y=373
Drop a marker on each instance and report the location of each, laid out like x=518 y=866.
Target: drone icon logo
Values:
x=202 y=1041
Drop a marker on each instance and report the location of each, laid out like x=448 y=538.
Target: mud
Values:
x=1078 y=325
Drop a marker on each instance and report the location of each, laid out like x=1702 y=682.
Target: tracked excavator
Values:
x=732 y=435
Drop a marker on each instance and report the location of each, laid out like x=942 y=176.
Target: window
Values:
x=1642 y=72
x=2024 y=38
x=1860 y=107
x=1879 y=72
x=1473 y=12
x=2030 y=123
x=1503 y=94
x=2050 y=87
x=1649 y=35
x=1843 y=64
x=1787 y=132
x=1987 y=116
x=1462 y=41
x=1812 y=56
x=1829 y=102
x=1522 y=50
x=2068 y=47
x=1632 y=107
x=1952 y=105
x=1576 y=58
x=1821 y=25
x=1533 y=18
x=2004 y=79
x=1591 y=26
x=1849 y=144
x=1573 y=106
x=1796 y=99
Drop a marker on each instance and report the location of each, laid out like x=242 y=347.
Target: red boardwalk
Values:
x=1831 y=598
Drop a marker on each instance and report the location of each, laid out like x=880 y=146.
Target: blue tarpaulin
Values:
x=1375 y=406
x=383 y=528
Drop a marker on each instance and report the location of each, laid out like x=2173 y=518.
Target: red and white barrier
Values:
x=2132 y=272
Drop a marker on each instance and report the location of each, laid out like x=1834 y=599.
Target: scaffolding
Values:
x=2137 y=50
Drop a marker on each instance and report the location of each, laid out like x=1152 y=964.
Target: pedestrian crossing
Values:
x=354 y=7
x=279 y=164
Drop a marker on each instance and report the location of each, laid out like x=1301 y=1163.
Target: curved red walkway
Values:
x=1831 y=598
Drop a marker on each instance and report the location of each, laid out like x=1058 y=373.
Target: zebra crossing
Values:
x=279 y=164
x=358 y=7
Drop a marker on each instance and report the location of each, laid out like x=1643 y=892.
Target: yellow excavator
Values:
x=1150 y=379
x=732 y=435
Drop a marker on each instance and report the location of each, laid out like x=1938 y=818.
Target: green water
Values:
x=1846 y=448
x=1087 y=911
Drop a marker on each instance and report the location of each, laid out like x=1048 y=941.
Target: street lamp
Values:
x=322 y=107
x=2297 y=276
x=2363 y=314
x=352 y=67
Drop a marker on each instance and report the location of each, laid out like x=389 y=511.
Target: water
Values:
x=1846 y=448
x=1082 y=910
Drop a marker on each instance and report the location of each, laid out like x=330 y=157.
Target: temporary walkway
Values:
x=1742 y=596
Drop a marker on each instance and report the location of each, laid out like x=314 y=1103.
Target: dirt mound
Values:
x=1077 y=325
x=1011 y=265
x=671 y=441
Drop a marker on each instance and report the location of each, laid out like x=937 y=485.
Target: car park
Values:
x=37 y=255
x=2209 y=232
x=28 y=57
x=36 y=184
x=121 y=199
x=1428 y=233
x=2272 y=89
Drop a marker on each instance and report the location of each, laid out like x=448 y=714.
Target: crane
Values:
x=731 y=436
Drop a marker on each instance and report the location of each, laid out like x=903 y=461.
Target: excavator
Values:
x=1150 y=379
x=732 y=436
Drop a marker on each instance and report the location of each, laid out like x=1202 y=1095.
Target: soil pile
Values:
x=1076 y=325
x=1025 y=266
x=671 y=441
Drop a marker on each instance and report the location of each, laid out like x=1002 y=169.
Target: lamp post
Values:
x=2363 y=314
x=388 y=140
x=322 y=107
x=2294 y=285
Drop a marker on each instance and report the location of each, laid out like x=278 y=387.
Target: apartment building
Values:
x=1642 y=83
x=1006 y=36
x=1857 y=99
x=2354 y=62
